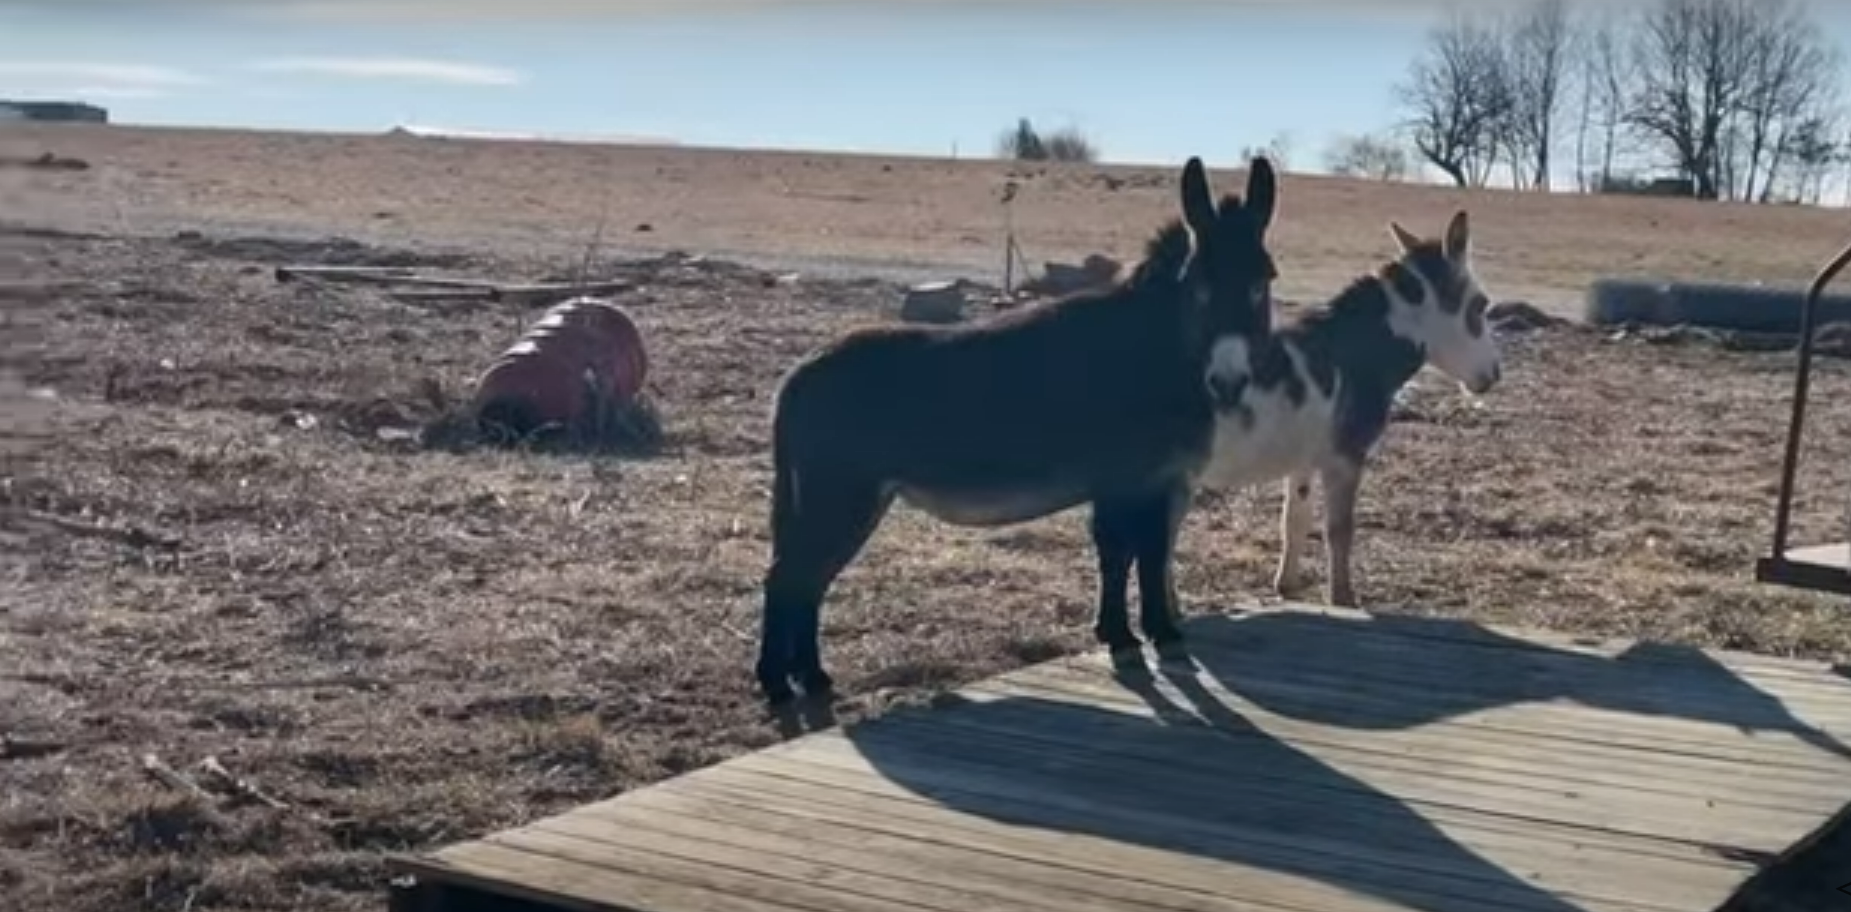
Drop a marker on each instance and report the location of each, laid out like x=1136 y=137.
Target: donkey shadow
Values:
x=1387 y=672
x=1214 y=791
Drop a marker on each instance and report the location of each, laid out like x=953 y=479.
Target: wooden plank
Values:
x=813 y=782
x=1547 y=728
x=1364 y=757
x=1442 y=630
x=1447 y=742
x=731 y=846
x=1072 y=761
x=566 y=883
x=1836 y=556
x=892 y=834
x=1474 y=678
x=815 y=888
x=1509 y=669
x=1383 y=862
x=854 y=812
x=1364 y=701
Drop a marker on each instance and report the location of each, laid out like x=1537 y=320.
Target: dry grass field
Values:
x=216 y=544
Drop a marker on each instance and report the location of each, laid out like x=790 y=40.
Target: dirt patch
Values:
x=413 y=645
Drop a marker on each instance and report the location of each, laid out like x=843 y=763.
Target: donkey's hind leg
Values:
x=835 y=520
x=1294 y=534
x=1342 y=481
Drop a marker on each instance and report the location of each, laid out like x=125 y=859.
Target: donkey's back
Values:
x=1031 y=412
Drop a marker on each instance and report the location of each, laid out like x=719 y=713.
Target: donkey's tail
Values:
x=775 y=644
x=784 y=483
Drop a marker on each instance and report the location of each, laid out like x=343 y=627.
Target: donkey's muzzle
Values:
x=1483 y=383
x=1226 y=390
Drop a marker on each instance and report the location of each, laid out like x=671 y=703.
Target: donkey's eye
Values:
x=1475 y=314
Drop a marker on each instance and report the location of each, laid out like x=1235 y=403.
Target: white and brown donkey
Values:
x=1315 y=399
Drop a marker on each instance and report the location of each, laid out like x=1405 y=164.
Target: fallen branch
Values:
x=286 y=273
x=568 y=290
x=376 y=277
x=442 y=295
x=153 y=768
x=242 y=788
x=12 y=748
x=132 y=536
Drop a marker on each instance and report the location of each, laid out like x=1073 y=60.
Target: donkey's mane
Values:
x=1367 y=293
x=1168 y=250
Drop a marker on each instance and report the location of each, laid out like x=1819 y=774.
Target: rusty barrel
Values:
x=576 y=350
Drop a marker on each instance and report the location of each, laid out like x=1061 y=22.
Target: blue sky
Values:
x=1151 y=81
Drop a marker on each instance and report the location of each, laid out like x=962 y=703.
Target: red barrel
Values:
x=549 y=374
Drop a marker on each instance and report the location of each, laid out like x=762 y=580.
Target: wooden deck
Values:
x=1314 y=761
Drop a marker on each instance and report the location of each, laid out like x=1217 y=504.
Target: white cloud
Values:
x=114 y=92
x=100 y=75
x=395 y=68
x=422 y=11
x=425 y=11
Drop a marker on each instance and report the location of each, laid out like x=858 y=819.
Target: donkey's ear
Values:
x=1262 y=191
x=1404 y=238
x=1459 y=238
x=1198 y=202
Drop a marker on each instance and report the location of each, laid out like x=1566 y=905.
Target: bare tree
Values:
x=1537 y=66
x=1694 y=60
x=1024 y=143
x=1278 y=150
x=1369 y=157
x=1610 y=76
x=1792 y=78
x=1070 y=145
x=1459 y=94
x=1723 y=84
x=1815 y=151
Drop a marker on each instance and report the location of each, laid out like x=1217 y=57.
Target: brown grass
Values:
x=848 y=214
x=219 y=553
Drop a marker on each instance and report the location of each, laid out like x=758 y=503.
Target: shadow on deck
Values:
x=1135 y=779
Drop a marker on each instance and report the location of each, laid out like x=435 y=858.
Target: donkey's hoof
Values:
x=1344 y=597
x=1174 y=652
x=1128 y=658
x=817 y=683
x=778 y=694
x=1289 y=585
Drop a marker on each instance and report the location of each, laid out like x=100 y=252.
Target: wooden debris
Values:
x=241 y=788
x=286 y=273
x=568 y=290
x=376 y=277
x=12 y=748
x=154 y=768
x=423 y=289
x=132 y=536
x=443 y=295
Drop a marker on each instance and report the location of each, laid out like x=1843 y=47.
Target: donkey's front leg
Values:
x=1160 y=610
x=1112 y=528
x=1294 y=534
x=1342 y=480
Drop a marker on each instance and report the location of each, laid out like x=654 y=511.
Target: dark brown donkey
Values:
x=1100 y=397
